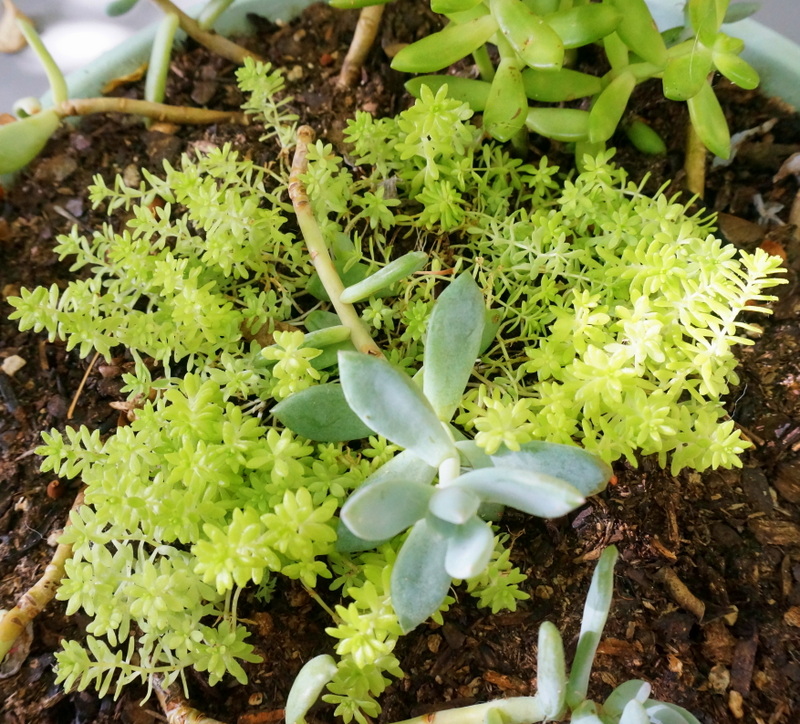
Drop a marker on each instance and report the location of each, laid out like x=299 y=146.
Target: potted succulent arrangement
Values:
x=352 y=375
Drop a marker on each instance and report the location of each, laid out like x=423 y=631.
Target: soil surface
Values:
x=707 y=604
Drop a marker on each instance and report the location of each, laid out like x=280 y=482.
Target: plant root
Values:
x=364 y=37
x=176 y=708
x=14 y=623
x=318 y=249
x=215 y=43
x=148 y=109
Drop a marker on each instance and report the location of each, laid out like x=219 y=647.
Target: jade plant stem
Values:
x=148 y=109
x=366 y=29
x=318 y=249
x=176 y=708
x=34 y=600
x=695 y=163
x=216 y=43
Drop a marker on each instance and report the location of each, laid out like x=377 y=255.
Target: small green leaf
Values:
x=555 y=86
x=609 y=106
x=634 y=713
x=454 y=504
x=349 y=276
x=452 y=341
x=616 y=51
x=644 y=138
x=579 y=26
x=22 y=141
x=438 y=50
x=537 y=44
x=473 y=92
x=709 y=121
x=531 y=492
x=740 y=11
x=419 y=581
x=551 y=674
x=384 y=278
x=686 y=72
x=625 y=692
x=388 y=402
x=560 y=124
x=307 y=686
x=583 y=470
x=638 y=31
x=595 y=613
x=705 y=17
x=737 y=70
x=469 y=549
x=660 y=712
x=321 y=413
x=507 y=104
x=446 y=7
x=390 y=500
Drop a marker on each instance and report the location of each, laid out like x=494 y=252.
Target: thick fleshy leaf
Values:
x=686 y=73
x=307 y=686
x=22 y=141
x=119 y=7
x=507 y=105
x=555 y=86
x=349 y=276
x=560 y=124
x=661 y=712
x=739 y=11
x=536 y=43
x=321 y=413
x=390 y=500
x=609 y=106
x=320 y=319
x=419 y=581
x=472 y=455
x=737 y=70
x=634 y=713
x=385 y=277
x=454 y=504
x=452 y=343
x=583 y=470
x=445 y=7
x=709 y=121
x=551 y=676
x=595 y=613
x=438 y=50
x=644 y=138
x=625 y=692
x=586 y=713
x=388 y=402
x=531 y=492
x=469 y=549
x=638 y=31
x=705 y=17
x=584 y=24
x=473 y=92
x=349 y=542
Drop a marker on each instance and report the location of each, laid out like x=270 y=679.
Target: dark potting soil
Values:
x=707 y=598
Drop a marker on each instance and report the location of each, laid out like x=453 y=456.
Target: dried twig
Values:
x=148 y=109
x=318 y=249
x=34 y=600
x=366 y=29
x=78 y=392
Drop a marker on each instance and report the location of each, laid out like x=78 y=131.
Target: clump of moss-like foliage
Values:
x=609 y=319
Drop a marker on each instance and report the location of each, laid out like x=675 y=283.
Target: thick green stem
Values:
x=318 y=249
x=695 y=163
x=156 y=111
x=215 y=43
x=366 y=29
x=484 y=63
x=34 y=600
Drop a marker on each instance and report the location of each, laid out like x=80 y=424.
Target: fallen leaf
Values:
x=121 y=80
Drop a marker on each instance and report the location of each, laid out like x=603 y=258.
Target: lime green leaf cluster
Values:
x=532 y=39
x=175 y=286
x=624 y=310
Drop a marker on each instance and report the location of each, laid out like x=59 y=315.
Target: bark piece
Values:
x=775 y=532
